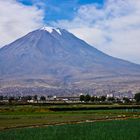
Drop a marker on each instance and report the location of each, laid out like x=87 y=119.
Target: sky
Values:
x=112 y=26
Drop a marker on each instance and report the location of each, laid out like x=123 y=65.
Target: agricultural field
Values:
x=104 y=130
x=43 y=115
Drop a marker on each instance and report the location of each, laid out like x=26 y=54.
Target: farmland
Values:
x=111 y=130
x=18 y=116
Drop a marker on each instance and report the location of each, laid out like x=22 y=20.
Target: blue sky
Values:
x=112 y=26
x=59 y=9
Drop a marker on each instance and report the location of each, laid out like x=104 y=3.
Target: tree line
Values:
x=88 y=98
x=23 y=98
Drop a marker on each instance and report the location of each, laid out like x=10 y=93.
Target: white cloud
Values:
x=113 y=28
x=17 y=19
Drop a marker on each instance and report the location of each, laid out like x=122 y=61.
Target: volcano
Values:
x=56 y=58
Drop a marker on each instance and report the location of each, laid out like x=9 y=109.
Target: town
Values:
x=82 y=98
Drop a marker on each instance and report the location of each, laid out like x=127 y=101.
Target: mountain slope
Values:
x=56 y=54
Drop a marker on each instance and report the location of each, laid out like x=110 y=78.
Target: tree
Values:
x=82 y=98
x=111 y=99
x=1 y=97
x=92 y=99
x=35 y=97
x=87 y=98
x=126 y=100
x=11 y=99
x=137 y=97
x=29 y=97
x=103 y=98
x=97 y=99
x=43 y=98
x=118 y=100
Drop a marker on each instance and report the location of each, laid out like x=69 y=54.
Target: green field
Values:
x=30 y=115
x=108 y=130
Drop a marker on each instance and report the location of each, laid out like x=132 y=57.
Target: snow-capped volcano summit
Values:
x=56 y=54
x=50 y=29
